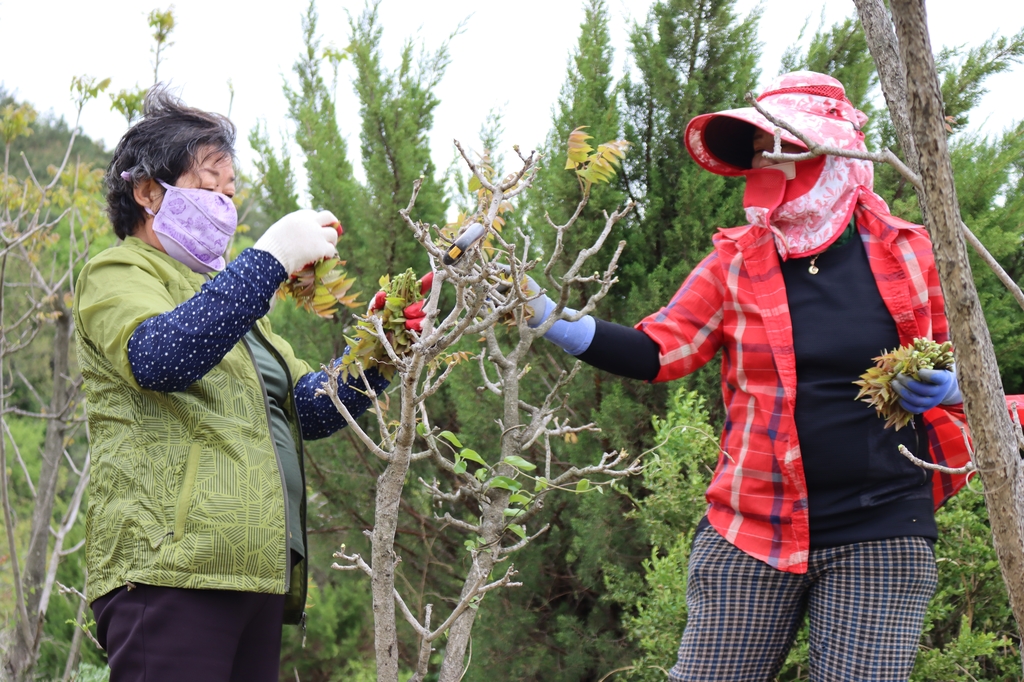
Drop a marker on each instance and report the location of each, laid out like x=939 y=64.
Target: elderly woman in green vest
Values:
x=195 y=534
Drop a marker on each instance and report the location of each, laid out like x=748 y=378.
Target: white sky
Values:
x=47 y=42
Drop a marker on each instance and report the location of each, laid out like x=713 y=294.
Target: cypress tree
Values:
x=692 y=57
x=332 y=184
x=397 y=109
x=276 y=191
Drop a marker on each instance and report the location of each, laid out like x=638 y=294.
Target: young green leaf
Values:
x=421 y=429
x=460 y=466
x=518 y=530
x=451 y=438
x=520 y=463
x=512 y=513
x=578 y=149
x=472 y=456
x=506 y=483
x=582 y=485
x=541 y=484
x=519 y=498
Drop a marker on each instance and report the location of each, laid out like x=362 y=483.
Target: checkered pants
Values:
x=865 y=601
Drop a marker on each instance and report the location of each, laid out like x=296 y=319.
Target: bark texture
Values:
x=390 y=485
x=885 y=49
x=492 y=527
x=25 y=649
x=996 y=450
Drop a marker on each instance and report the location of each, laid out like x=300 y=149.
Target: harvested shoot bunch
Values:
x=876 y=383
x=320 y=287
x=365 y=349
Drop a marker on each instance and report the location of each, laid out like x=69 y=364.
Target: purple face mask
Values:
x=194 y=226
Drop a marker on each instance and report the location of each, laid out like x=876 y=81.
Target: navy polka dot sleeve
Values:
x=317 y=414
x=173 y=350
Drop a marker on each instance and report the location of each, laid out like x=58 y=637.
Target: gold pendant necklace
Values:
x=813 y=269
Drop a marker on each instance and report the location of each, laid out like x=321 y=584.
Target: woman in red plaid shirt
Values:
x=811 y=509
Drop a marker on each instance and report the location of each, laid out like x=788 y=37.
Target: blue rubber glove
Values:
x=572 y=337
x=938 y=387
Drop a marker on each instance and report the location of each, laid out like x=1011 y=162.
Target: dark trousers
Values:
x=865 y=603
x=166 y=634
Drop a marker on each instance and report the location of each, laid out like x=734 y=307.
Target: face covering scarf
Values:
x=806 y=214
x=194 y=226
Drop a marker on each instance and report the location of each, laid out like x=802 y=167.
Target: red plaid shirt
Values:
x=735 y=300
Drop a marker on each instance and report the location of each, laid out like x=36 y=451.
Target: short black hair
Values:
x=163 y=145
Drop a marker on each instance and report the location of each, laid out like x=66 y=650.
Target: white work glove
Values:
x=300 y=238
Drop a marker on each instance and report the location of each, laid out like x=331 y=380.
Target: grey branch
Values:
x=64 y=589
x=461 y=525
x=330 y=389
x=814 y=149
x=505 y=551
x=17 y=455
x=356 y=562
x=471 y=596
x=966 y=469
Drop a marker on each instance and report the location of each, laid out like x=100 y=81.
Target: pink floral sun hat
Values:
x=816 y=209
x=814 y=103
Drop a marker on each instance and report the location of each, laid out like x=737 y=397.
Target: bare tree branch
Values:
x=966 y=469
x=330 y=389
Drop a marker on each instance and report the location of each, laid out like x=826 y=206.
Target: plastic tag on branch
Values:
x=593 y=166
x=876 y=384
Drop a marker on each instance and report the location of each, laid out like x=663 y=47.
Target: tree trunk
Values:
x=25 y=653
x=885 y=49
x=492 y=526
x=996 y=450
x=385 y=524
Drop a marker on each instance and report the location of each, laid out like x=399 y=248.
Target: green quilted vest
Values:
x=186 y=489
